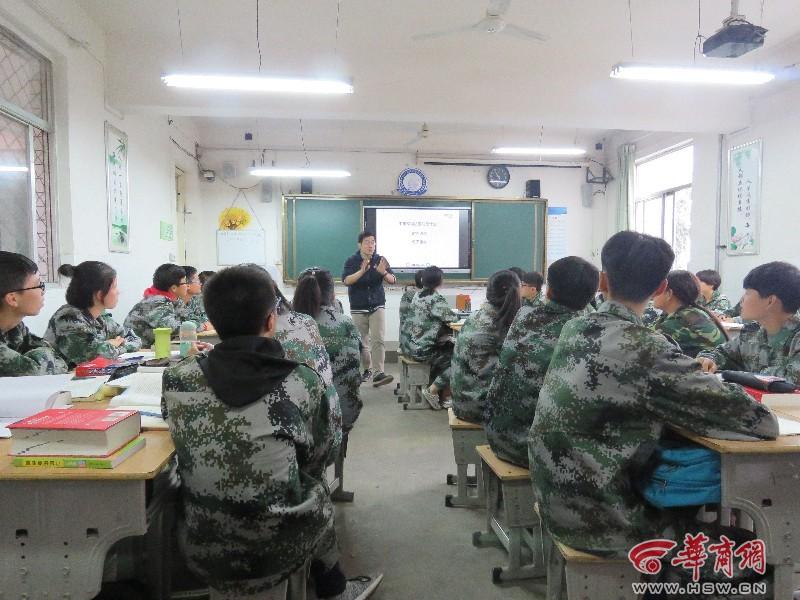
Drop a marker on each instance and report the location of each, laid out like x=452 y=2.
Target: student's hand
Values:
x=364 y=265
x=205 y=326
x=382 y=266
x=708 y=365
x=117 y=341
x=198 y=347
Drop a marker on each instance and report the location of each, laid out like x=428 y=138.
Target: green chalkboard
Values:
x=323 y=230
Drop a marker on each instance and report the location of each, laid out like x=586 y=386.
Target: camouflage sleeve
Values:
x=132 y=341
x=788 y=367
x=679 y=393
x=195 y=311
x=41 y=360
x=727 y=356
x=440 y=309
x=169 y=315
x=723 y=304
x=321 y=414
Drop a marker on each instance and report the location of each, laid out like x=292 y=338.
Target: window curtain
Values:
x=627 y=180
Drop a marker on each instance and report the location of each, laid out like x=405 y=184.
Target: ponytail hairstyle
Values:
x=686 y=288
x=431 y=279
x=88 y=278
x=502 y=292
x=205 y=276
x=314 y=290
x=418 y=278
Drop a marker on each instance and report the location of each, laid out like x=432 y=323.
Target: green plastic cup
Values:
x=161 y=344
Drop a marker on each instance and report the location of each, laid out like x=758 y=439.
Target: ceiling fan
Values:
x=422 y=134
x=493 y=22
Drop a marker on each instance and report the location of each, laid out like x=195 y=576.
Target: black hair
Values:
x=635 y=264
x=520 y=273
x=284 y=303
x=190 y=271
x=686 y=289
x=168 y=275
x=88 y=278
x=572 y=282
x=502 y=292
x=204 y=276
x=14 y=270
x=314 y=290
x=418 y=278
x=365 y=234
x=777 y=278
x=710 y=277
x=431 y=279
x=238 y=301
x=533 y=278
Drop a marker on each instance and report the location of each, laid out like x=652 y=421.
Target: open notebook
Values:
x=22 y=397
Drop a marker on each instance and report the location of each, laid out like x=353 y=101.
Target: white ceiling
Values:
x=495 y=86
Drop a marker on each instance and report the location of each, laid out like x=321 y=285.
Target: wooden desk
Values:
x=762 y=479
x=57 y=525
x=210 y=336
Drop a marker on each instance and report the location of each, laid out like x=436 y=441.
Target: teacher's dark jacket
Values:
x=366 y=295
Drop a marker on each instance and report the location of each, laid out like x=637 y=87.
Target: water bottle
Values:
x=187 y=336
x=468 y=305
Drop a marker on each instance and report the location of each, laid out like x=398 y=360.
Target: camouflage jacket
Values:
x=342 y=342
x=196 y=311
x=254 y=498
x=719 y=302
x=80 y=337
x=537 y=300
x=611 y=388
x=152 y=312
x=299 y=336
x=475 y=358
x=651 y=314
x=514 y=391
x=692 y=329
x=754 y=351
x=22 y=353
x=405 y=310
x=427 y=325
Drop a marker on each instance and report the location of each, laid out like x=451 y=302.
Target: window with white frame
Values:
x=25 y=195
x=663 y=202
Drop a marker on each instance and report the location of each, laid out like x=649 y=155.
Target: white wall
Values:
x=376 y=174
x=78 y=151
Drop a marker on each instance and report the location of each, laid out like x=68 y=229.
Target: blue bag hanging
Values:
x=684 y=475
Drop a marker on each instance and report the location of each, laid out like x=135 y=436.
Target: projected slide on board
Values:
x=413 y=238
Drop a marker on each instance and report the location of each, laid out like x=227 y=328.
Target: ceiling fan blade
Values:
x=497 y=8
x=525 y=34
x=437 y=34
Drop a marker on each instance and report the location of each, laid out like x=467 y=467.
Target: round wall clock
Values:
x=498 y=176
x=412 y=182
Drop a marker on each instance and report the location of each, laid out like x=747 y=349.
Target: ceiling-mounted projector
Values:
x=737 y=36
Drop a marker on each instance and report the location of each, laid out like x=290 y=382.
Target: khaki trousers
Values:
x=372 y=328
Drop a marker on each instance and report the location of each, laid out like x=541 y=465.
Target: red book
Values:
x=98 y=366
x=74 y=432
x=763 y=396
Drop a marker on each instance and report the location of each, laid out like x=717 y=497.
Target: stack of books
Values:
x=92 y=439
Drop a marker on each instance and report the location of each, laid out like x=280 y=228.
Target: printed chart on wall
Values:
x=556 y=233
x=744 y=198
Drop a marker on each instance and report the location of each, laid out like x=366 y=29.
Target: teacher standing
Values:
x=364 y=275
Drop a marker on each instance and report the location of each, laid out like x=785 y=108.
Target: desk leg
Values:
x=54 y=534
x=767 y=488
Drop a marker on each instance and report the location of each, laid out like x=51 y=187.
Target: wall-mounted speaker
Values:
x=533 y=188
x=305 y=186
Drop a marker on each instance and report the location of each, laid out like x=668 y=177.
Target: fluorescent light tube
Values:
x=6 y=169
x=302 y=173
x=570 y=151
x=690 y=74
x=257 y=84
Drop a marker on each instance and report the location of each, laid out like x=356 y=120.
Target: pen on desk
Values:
x=148 y=413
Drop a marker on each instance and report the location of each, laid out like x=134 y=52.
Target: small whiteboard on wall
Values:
x=244 y=246
x=744 y=198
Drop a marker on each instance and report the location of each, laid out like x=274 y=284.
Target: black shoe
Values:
x=366 y=375
x=381 y=379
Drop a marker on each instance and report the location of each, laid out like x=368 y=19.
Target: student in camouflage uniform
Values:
x=710 y=296
x=405 y=310
x=693 y=327
x=253 y=437
x=612 y=387
x=531 y=288
x=314 y=296
x=771 y=344
x=161 y=305
x=430 y=340
x=525 y=356
x=194 y=310
x=82 y=330
x=651 y=314
x=477 y=346
x=22 y=295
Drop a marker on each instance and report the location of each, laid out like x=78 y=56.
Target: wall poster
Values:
x=744 y=198
x=117 y=189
